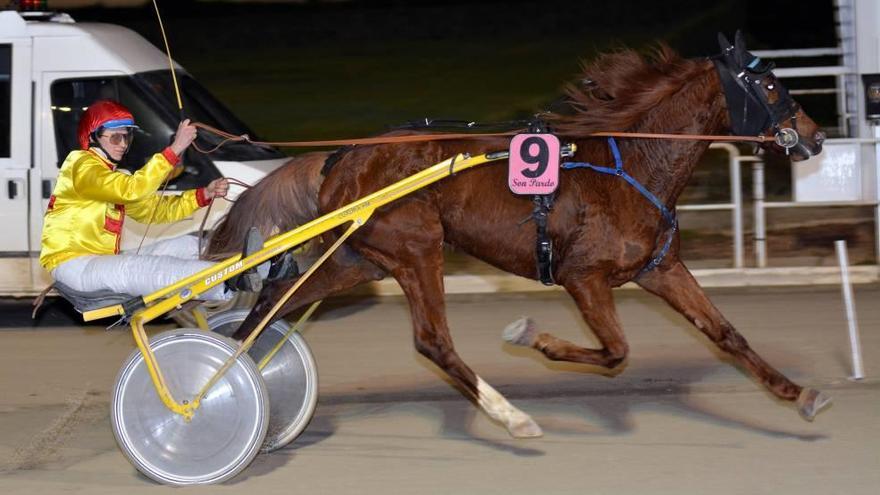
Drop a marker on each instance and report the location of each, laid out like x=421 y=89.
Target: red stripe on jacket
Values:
x=115 y=226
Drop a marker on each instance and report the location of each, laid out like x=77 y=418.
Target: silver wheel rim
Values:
x=240 y=300
x=228 y=427
x=291 y=377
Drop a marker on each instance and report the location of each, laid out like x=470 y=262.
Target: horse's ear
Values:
x=722 y=42
x=739 y=42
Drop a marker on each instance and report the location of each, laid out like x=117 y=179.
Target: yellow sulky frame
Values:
x=173 y=296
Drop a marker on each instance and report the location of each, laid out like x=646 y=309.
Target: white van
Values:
x=51 y=70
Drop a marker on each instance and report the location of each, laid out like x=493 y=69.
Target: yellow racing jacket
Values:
x=91 y=199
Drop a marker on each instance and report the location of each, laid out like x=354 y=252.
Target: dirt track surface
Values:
x=677 y=420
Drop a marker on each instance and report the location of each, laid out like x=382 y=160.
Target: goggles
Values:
x=118 y=138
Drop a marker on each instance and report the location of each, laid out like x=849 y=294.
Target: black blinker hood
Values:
x=741 y=73
x=747 y=115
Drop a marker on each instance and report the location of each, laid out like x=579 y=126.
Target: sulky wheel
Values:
x=291 y=376
x=241 y=300
x=227 y=429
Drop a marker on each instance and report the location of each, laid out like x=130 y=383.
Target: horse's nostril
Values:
x=819 y=137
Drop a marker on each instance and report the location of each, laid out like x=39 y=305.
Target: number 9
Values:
x=542 y=158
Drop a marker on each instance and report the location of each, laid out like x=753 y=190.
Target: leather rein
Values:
x=411 y=138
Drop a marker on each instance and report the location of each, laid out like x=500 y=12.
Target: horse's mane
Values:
x=616 y=90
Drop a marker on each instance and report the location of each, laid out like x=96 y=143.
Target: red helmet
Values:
x=108 y=114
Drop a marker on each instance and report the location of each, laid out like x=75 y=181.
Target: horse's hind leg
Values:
x=594 y=299
x=675 y=284
x=409 y=246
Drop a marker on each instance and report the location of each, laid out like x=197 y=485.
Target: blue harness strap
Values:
x=668 y=216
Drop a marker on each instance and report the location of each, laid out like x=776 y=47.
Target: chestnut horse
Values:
x=604 y=232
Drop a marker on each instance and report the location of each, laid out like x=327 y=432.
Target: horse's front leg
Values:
x=674 y=283
x=423 y=285
x=407 y=243
x=592 y=294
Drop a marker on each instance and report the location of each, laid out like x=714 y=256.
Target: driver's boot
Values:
x=251 y=280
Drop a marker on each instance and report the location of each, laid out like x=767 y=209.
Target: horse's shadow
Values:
x=580 y=404
x=568 y=407
x=321 y=427
x=615 y=411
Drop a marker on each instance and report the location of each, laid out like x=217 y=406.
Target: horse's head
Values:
x=758 y=104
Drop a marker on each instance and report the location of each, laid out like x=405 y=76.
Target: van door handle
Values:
x=48 y=185
x=12 y=189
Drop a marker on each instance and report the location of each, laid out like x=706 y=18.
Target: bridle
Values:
x=748 y=105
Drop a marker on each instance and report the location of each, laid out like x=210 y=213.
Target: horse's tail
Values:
x=281 y=201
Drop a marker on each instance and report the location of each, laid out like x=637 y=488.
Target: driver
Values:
x=83 y=223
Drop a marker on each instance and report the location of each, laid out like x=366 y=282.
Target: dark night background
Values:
x=340 y=69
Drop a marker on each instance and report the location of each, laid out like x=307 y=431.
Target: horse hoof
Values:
x=811 y=402
x=521 y=332
x=526 y=428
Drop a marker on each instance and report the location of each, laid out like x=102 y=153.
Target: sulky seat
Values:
x=87 y=301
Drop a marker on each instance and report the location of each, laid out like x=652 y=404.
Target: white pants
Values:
x=158 y=265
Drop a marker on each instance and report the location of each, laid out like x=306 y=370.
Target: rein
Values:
x=750 y=111
x=542 y=204
x=228 y=137
x=201 y=231
x=342 y=142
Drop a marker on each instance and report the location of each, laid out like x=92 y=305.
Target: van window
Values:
x=5 y=99
x=200 y=105
x=150 y=98
x=71 y=98
x=197 y=101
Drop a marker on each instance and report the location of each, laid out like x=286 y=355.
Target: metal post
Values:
x=876 y=129
x=852 y=324
x=736 y=193
x=877 y=231
x=843 y=112
x=733 y=163
x=760 y=226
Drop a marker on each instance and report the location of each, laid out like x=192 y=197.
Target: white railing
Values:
x=761 y=205
x=846 y=83
x=734 y=204
x=840 y=73
x=800 y=53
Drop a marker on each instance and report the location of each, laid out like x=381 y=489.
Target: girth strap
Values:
x=544 y=246
x=543 y=204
